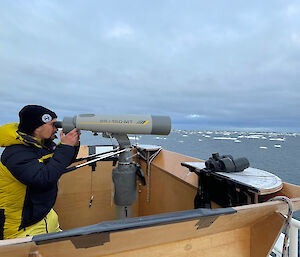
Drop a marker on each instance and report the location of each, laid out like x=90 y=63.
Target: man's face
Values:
x=46 y=131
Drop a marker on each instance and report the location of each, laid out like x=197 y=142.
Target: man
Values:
x=30 y=168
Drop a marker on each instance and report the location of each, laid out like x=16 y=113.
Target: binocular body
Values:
x=226 y=163
x=118 y=124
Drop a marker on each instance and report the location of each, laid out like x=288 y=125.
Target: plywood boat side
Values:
x=237 y=232
x=165 y=224
x=171 y=190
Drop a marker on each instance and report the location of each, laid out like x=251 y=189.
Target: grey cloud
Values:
x=231 y=65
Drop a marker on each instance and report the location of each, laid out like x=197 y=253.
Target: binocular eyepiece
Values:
x=226 y=163
x=58 y=124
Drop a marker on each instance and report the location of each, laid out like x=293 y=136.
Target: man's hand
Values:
x=72 y=138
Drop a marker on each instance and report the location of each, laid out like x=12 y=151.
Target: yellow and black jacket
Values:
x=29 y=172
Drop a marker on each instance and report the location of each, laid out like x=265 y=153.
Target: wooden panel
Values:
x=74 y=195
x=170 y=187
x=170 y=162
x=234 y=244
x=247 y=219
x=266 y=230
x=289 y=190
x=83 y=151
x=167 y=194
x=169 y=180
x=19 y=250
x=235 y=240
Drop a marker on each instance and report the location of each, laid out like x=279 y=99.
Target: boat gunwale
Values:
x=134 y=223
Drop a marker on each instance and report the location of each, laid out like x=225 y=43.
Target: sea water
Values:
x=278 y=153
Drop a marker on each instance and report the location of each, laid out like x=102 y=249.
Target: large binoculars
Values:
x=226 y=163
x=118 y=124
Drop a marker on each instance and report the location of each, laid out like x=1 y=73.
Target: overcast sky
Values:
x=207 y=64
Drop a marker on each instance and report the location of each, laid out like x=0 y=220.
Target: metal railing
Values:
x=293 y=248
x=293 y=244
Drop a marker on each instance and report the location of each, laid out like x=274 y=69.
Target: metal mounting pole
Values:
x=124 y=178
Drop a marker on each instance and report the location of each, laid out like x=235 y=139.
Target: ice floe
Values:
x=263 y=147
x=253 y=137
x=225 y=138
x=277 y=139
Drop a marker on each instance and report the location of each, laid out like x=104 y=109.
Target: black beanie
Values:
x=34 y=116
